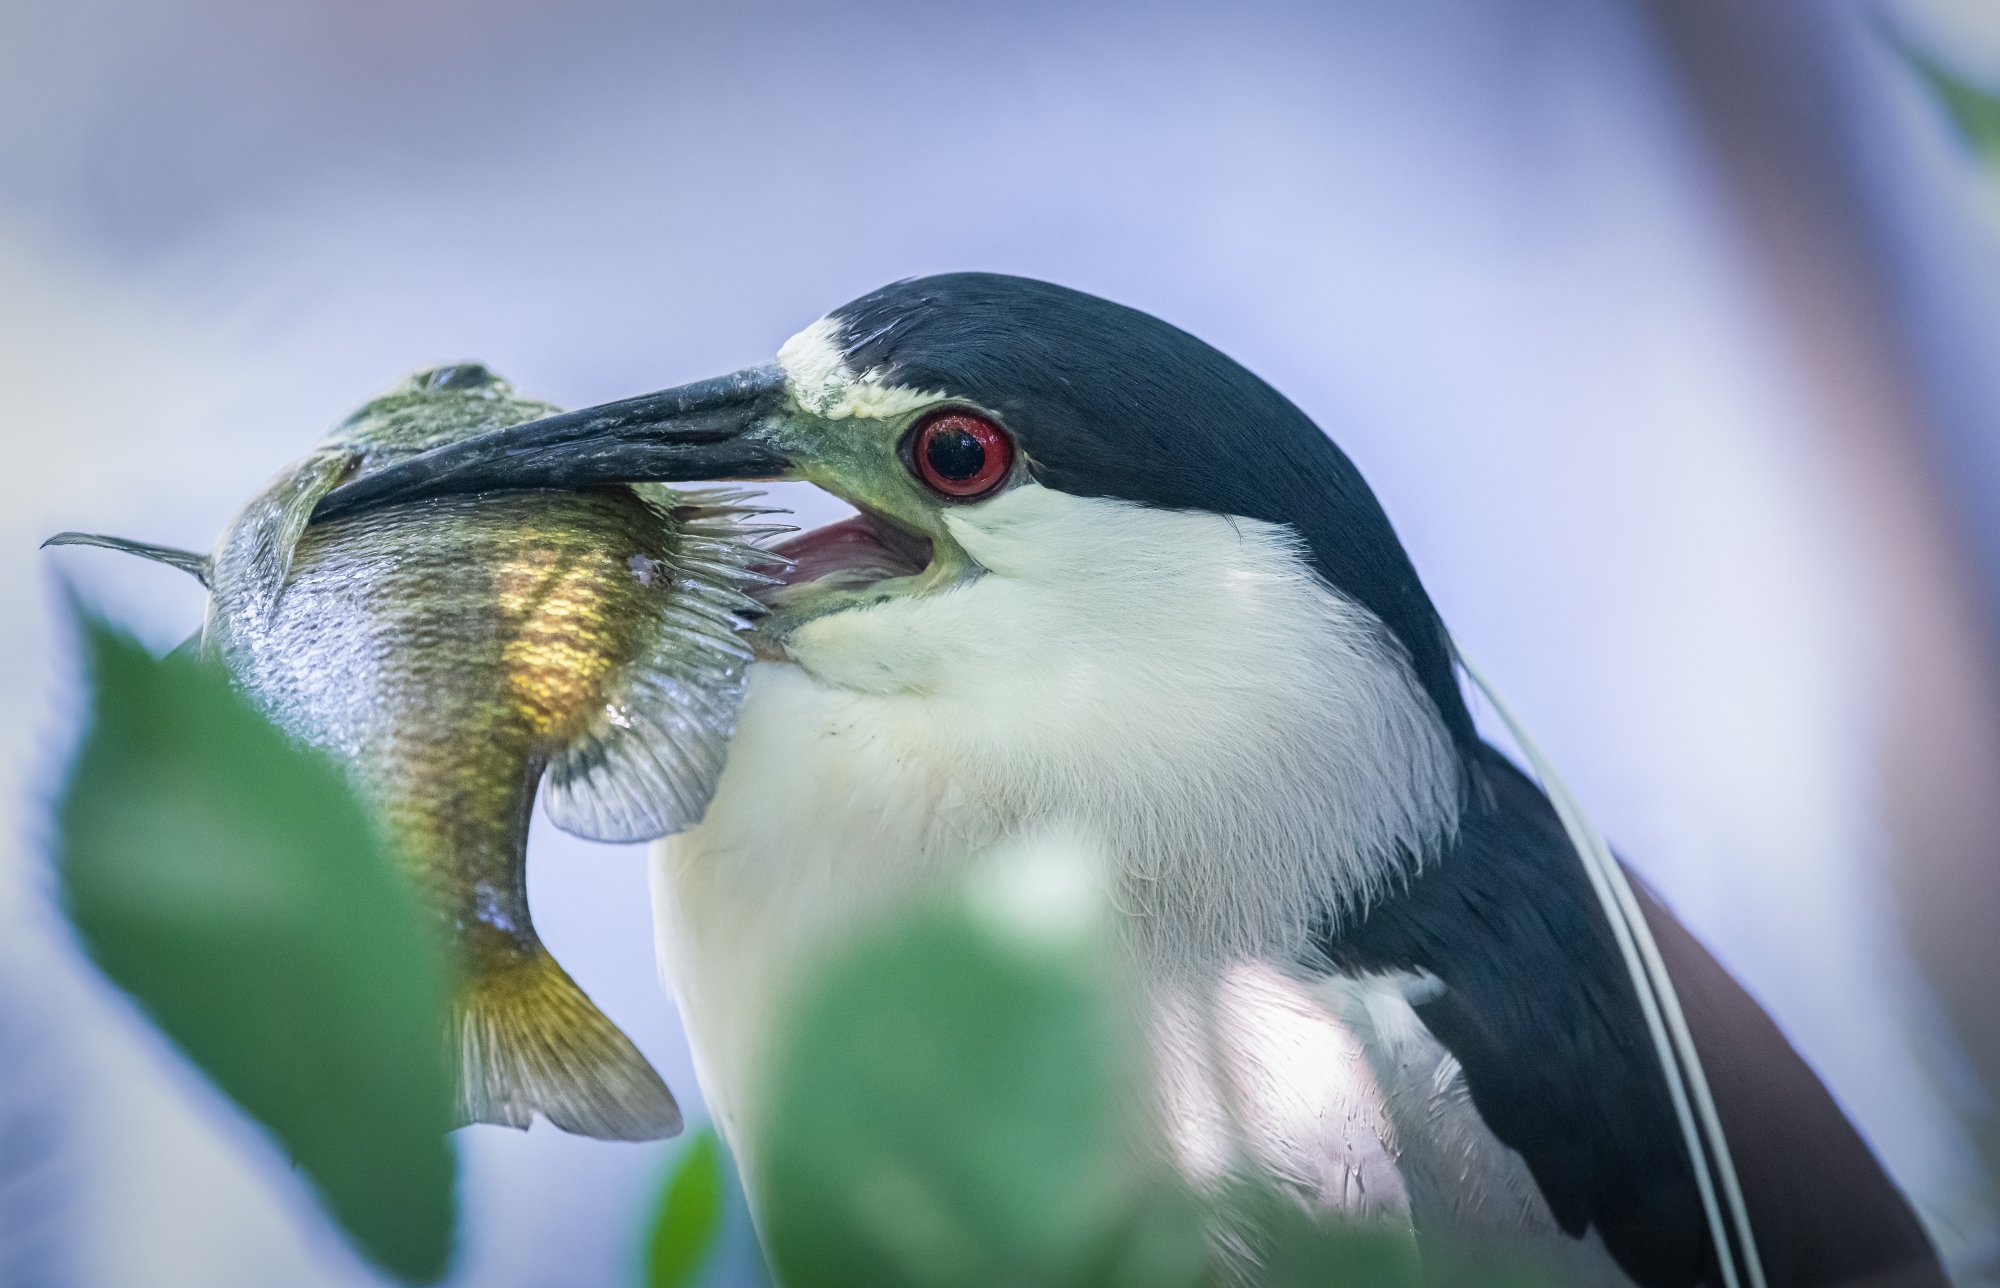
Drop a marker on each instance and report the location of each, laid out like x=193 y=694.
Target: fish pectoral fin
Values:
x=648 y=762
x=650 y=773
x=531 y=1042
x=195 y=565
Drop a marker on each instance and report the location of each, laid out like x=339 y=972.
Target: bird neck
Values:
x=1249 y=747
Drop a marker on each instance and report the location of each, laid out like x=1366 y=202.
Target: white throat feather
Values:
x=1249 y=746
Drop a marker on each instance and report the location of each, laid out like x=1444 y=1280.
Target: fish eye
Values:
x=959 y=454
x=463 y=375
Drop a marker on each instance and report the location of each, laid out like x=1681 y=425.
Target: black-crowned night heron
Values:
x=1104 y=578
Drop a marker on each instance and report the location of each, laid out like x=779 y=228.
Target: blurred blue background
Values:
x=1665 y=332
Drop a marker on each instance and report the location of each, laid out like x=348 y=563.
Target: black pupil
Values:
x=954 y=453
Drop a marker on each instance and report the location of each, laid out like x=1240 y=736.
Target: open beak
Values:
x=725 y=428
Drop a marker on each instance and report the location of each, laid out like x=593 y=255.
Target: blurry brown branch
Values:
x=1763 y=83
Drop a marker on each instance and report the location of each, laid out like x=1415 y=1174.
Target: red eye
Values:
x=960 y=454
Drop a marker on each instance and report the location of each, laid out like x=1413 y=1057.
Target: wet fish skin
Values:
x=458 y=653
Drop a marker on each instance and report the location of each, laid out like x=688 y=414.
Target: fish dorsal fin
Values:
x=648 y=764
x=258 y=554
x=194 y=565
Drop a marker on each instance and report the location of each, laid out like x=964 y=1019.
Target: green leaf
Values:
x=1296 y=1249
x=953 y=1108
x=960 y=1100
x=690 y=1216
x=1974 y=111
x=228 y=880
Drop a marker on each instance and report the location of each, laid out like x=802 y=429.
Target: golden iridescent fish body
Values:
x=456 y=654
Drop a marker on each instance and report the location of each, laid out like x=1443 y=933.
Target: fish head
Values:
x=431 y=408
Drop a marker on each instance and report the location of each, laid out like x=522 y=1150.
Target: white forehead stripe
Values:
x=820 y=381
x=814 y=370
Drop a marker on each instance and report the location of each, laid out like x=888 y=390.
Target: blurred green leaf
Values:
x=1295 y=1249
x=229 y=882
x=1496 y=1264
x=690 y=1216
x=953 y=1108
x=1974 y=110
x=960 y=1102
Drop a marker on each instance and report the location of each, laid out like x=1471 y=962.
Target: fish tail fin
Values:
x=531 y=1042
x=194 y=565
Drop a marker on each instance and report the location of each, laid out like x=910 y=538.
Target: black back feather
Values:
x=1540 y=1013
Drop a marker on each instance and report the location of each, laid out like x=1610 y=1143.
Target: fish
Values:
x=459 y=656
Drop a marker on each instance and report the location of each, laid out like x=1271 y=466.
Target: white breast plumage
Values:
x=1248 y=747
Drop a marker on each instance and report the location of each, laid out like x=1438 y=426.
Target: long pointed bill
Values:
x=713 y=429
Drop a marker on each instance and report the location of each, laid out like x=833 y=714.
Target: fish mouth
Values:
x=850 y=554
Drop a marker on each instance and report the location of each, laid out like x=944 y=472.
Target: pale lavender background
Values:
x=1474 y=238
